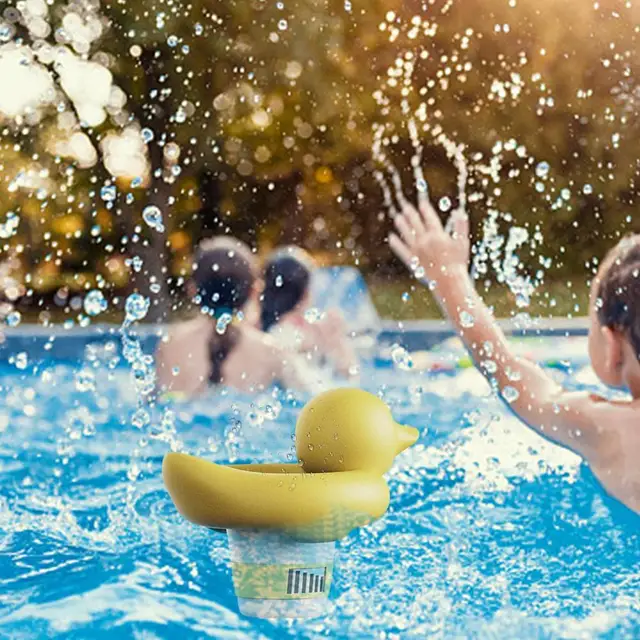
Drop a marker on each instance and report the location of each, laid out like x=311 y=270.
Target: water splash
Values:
x=508 y=159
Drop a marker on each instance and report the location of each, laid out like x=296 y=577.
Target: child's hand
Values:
x=424 y=242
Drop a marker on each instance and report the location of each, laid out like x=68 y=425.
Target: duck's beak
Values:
x=405 y=436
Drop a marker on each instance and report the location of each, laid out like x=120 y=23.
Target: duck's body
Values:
x=346 y=440
x=314 y=507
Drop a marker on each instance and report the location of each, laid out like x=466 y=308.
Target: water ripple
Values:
x=492 y=532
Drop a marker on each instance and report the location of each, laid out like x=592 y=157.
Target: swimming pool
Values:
x=492 y=532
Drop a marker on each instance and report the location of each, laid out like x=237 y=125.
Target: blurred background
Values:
x=130 y=130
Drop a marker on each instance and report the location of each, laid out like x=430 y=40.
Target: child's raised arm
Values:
x=422 y=242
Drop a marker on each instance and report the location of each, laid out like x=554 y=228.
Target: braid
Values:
x=219 y=349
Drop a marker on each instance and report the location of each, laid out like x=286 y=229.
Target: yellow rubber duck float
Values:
x=346 y=439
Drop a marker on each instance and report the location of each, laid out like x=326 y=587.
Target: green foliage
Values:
x=262 y=116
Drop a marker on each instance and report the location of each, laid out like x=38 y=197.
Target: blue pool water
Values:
x=492 y=532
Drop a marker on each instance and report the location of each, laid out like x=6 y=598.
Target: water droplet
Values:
x=406 y=297
x=540 y=187
x=85 y=380
x=566 y=194
x=6 y=32
x=421 y=185
x=14 y=319
x=95 y=303
x=140 y=418
x=488 y=347
x=466 y=320
x=198 y=29
x=21 y=360
x=9 y=228
x=542 y=169
x=513 y=375
x=147 y=135
x=489 y=366
x=108 y=193
x=223 y=322
x=270 y=413
x=89 y=428
x=510 y=394
x=587 y=189
x=172 y=41
x=136 y=263
x=445 y=204
x=312 y=315
x=401 y=357
x=282 y=25
x=136 y=307
x=153 y=217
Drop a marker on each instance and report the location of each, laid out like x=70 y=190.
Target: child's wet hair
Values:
x=287 y=277
x=225 y=272
x=618 y=293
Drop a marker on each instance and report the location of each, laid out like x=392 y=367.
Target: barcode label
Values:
x=306 y=580
x=281 y=581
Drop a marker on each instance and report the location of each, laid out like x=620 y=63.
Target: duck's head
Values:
x=349 y=430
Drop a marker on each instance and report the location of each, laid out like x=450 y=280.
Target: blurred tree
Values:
x=257 y=118
x=554 y=79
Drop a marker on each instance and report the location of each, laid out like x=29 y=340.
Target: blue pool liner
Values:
x=344 y=288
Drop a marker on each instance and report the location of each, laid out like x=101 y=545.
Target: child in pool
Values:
x=220 y=345
x=605 y=434
x=287 y=298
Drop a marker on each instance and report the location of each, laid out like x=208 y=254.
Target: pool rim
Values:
x=57 y=343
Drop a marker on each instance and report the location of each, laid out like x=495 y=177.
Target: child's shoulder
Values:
x=614 y=415
x=186 y=328
x=631 y=407
x=253 y=337
x=183 y=335
x=601 y=413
